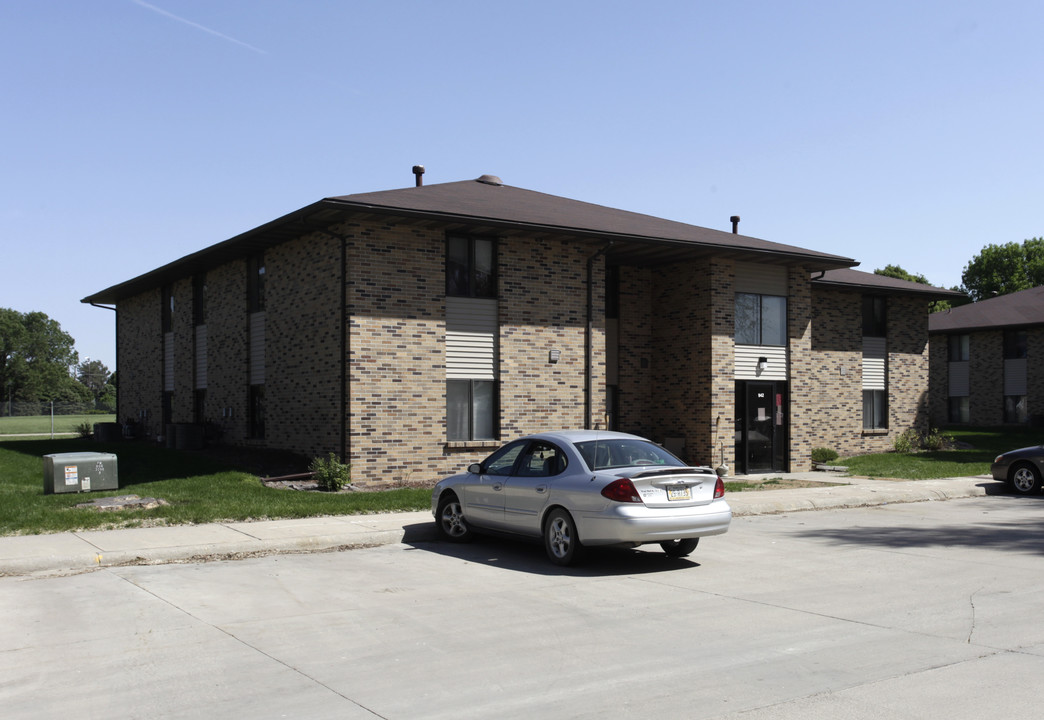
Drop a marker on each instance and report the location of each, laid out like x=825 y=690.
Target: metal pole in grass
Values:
x=52 y=419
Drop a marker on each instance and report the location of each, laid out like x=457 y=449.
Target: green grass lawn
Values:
x=41 y=424
x=199 y=490
x=984 y=445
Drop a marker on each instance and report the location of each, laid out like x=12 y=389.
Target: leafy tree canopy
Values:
x=1004 y=269
x=894 y=271
x=35 y=357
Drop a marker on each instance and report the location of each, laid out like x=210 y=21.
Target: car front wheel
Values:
x=561 y=540
x=679 y=548
x=1025 y=479
x=449 y=517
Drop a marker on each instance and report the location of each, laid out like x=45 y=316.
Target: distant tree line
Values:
x=39 y=364
x=997 y=270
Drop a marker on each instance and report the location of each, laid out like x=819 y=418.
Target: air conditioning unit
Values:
x=79 y=472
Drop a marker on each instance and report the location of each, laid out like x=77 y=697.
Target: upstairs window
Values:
x=471 y=267
x=199 y=300
x=167 y=309
x=958 y=346
x=875 y=316
x=761 y=319
x=256 y=283
x=1015 y=344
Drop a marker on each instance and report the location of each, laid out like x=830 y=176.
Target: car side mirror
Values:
x=475 y=469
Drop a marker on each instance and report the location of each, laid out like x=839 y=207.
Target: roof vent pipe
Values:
x=418 y=170
x=735 y=224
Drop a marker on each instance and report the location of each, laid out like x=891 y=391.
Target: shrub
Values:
x=823 y=455
x=85 y=430
x=908 y=441
x=330 y=474
x=937 y=440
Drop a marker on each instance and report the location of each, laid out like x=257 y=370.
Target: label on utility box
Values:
x=71 y=475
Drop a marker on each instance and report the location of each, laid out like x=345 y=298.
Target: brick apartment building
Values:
x=987 y=361
x=412 y=331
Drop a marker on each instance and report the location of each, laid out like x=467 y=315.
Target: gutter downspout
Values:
x=589 y=337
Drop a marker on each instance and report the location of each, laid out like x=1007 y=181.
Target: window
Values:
x=1015 y=409
x=199 y=405
x=958 y=347
x=541 y=459
x=875 y=409
x=471 y=267
x=761 y=319
x=167 y=319
x=612 y=292
x=875 y=316
x=471 y=409
x=960 y=410
x=1015 y=344
x=199 y=300
x=256 y=409
x=502 y=462
x=256 y=283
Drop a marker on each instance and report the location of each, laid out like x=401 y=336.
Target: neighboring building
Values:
x=988 y=361
x=412 y=331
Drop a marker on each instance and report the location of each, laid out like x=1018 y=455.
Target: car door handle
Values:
x=541 y=488
x=498 y=486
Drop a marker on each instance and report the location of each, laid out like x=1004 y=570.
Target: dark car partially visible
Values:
x=1022 y=469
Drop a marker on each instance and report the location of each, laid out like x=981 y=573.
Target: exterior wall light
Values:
x=762 y=364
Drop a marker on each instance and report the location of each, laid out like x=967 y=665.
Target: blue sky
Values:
x=134 y=133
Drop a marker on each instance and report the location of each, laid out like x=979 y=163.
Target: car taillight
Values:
x=621 y=490
x=719 y=488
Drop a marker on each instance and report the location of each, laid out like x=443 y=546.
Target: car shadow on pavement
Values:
x=529 y=557
x=1024 y=536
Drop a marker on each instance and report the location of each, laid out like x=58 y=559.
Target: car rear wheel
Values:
x=450 y=520
x=561 y=540
x=1025 y=479
x=679 y=548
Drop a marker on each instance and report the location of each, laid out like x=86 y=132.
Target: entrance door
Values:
x=760 y=427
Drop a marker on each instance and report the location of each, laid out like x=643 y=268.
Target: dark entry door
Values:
x=760 y=427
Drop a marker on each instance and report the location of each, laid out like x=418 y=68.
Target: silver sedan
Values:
x=582 y=488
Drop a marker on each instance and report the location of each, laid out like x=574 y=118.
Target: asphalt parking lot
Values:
x=909 y=610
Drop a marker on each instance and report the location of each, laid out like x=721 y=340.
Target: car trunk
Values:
x=675 y=487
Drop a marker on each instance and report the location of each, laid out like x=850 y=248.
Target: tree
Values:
x=894 y=271
x=1004 y=269
x=35 y=357
x=94 y=375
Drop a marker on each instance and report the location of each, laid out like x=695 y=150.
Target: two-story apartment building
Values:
x=988 y=361
x=412 y=331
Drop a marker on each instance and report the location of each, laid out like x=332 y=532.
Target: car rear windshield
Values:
x=612 y=453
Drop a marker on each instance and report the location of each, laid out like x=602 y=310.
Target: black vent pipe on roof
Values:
x=735 y=224
x=418 y=170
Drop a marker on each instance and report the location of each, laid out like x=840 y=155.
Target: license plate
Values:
x=678 y=493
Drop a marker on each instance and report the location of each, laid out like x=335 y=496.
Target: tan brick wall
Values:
x=1035 y=375
x=806 y=372
x=139 y=350
x=227 y=342
x=543 y=307
x=835 y=410
x=986 y=376
x=675 y=356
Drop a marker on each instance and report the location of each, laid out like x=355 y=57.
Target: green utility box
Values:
x=79 y=472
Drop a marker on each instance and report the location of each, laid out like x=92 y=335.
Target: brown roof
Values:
x=487 y=205
x=849 y=278
x=1018 y=309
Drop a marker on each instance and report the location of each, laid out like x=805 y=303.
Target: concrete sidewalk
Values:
x=91 y=549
